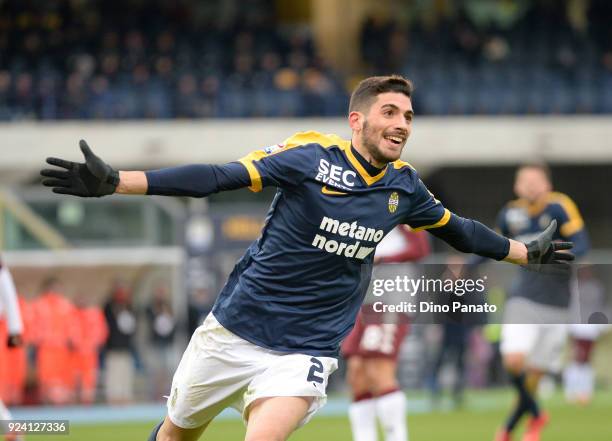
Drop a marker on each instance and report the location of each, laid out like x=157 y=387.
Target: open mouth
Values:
x=397 y=140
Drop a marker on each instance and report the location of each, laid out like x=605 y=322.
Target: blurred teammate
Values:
x=372 y=351
x=270 y=343
x=9 y=309
x=529 y=347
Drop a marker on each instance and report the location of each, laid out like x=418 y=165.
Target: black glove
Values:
x=14 y=341
x=93 y=178
x=546 y=256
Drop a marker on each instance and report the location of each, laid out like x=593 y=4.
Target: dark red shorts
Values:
x=583 y=349
x=374 y=340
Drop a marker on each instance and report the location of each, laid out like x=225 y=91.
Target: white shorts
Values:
x=220 y=369
x=536 y=330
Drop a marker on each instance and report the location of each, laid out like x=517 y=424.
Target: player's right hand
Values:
x=93 y=178
x=549 y=257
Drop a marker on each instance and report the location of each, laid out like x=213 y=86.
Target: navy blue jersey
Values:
x=523 y=221
x=298 y=288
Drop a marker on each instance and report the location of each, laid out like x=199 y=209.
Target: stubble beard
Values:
x=369 y=142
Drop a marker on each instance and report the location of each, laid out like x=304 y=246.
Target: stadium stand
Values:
x=86 y=60
x=512 y=57
x=93 y=60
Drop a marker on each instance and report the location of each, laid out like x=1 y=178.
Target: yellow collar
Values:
x=357 y=166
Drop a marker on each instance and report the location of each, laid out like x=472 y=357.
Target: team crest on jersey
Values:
x=274 y=148
x=393 y=202
x=544 y=220
x=517 y=220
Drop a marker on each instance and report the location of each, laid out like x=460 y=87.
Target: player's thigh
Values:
x=171 y=432
x=381 y=373
x=291 y=375
x=275 y=418
x=517 y=342
x=215 y=370
x=547 y=356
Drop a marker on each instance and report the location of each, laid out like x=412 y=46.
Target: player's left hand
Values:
x=14 y=341
x=546 y=256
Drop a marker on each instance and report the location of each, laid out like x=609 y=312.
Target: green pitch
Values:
x=483 y=412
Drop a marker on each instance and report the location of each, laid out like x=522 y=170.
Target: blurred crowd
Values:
x=79 y=352
x=506 y=56
x=156 y=59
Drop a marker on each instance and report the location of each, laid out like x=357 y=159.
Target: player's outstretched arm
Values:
x=132 y=182
x=541 y=254
x=517 y=252
x=95 y=178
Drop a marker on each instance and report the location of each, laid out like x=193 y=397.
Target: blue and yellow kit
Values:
x=298 y=288
x=302 y=283
x=523 y=221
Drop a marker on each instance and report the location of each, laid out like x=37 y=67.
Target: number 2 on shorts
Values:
x=316 y=368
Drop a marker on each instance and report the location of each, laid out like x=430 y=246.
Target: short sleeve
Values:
x=426 y=212
x=281 y=165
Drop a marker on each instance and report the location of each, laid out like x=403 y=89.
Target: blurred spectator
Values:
x=54 y=342
x=91 y=334
x=12 y=387
x=5 y=89
x=162 y=328
x=452 y=350
x=456 y=329
x=200 y=304
x=119 y=349
x=495 y=366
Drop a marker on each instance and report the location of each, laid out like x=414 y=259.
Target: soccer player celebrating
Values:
x=271 y=341
x=9 y=308
x=536 y=314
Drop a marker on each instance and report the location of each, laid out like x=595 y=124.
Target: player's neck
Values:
x=539 y=200
x=368 y=165
x=366 y=160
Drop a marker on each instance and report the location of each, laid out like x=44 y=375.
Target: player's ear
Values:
x=356 y=121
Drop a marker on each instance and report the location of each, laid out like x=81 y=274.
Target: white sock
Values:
x=587 y=380
x=391 y=411
x=570 y=381
x=5 y=415
x=362 y=415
